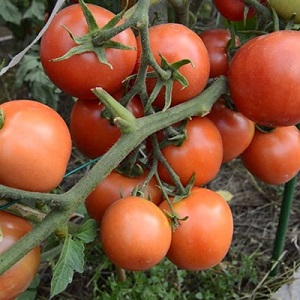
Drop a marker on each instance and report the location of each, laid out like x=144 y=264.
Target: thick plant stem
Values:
x=68 y=202
x=285 y=211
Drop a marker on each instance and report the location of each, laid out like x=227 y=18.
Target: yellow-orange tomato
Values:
x=16 y=279
x=116 y=185
x=35 y=146
x=135 y=233
x=203 y=239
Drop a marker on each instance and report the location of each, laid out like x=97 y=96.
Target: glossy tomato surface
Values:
x=264 y=79
x=16 y=279
x=236 y=130
x=216 y=42
x=203 y=239
x=201 y=153
x=35 y=146
x=274 y=157
x=92 y=134
x=79 y=73
x=232 y=10
x=176 y=42
x=115 y=186
x=135 y=233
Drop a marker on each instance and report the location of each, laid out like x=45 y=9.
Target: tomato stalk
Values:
x=65 y=204
x=122 y=116
x=285 y=211
x=260 y=8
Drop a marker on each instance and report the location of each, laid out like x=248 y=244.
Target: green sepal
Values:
x=91 y=42
x=2 y=118
x=91 y=22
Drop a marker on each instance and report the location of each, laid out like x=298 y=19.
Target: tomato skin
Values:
x=274 y=157
x=203 y=239
x=16 y=279
x=135 y=233
x=116 y=185
x=263 y=79
x=286 y=9
x=236 y=130
x=215 y=41
x=232 y=10
x=201 y=153
x=93 y=135
x=79 y=73
x=35 y=146
x=176 y=42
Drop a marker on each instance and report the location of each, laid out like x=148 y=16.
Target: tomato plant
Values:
x=286 y=9
x=264 y=79
x=35 y=143
x=78 y=74
x=236 y=130
x=201 y=152
x=135 y=233
x=176 y=42
x=16 y=279
x=216 y=42
x=93 y=134
x=233 y=10
x=274 y=157
x=203 y=239
x=116 y=185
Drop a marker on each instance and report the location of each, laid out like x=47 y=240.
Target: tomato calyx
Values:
x=2 y=118
x=95 y=40
x=174 y=74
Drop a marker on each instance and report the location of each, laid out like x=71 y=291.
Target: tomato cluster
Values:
x=156 y=204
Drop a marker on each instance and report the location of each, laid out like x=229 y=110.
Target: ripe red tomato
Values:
x=35 y=146
x=216 y=41
x=233 y=10
x=176 y=42
x=16 y=279
x=79 y=73
x=116 y=185
x=274 y=157
x=236 y=130
x=264 y=79
x=201 y=153
x=135 y=233
x=92 y=134
x=203 y=239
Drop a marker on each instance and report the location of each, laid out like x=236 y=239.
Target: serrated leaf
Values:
x=71 y=259
x=10 y=13
x=88 y=231
x=225 y=194
x=36 y=10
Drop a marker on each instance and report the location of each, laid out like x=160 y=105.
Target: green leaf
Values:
x=71 y=259
x=88 y=231
x=10 y=13
x=36 y=10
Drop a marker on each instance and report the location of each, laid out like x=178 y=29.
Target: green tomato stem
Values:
x=123 y=117
x=68 y=202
